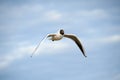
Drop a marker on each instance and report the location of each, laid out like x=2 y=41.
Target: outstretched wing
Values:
x=49 y=35
x=76 y=40
x=39 y=45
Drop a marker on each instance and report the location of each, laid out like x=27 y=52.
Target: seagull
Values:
x=59 y=36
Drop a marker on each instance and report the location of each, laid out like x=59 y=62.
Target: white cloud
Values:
x=111 y=39
x=5 y=61
x=94 y=42
x=21 y=10
x=53 y=47
x=53 y=15
x=20 y=16
x=17 y=53
x=27 y=15
x=97 y=13
x=26 y=50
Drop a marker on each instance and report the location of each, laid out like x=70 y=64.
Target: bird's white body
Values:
x=56 y=37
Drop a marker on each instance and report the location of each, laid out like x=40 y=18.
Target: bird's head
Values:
x=61 y=31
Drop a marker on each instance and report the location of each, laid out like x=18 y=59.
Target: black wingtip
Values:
x=84 y=54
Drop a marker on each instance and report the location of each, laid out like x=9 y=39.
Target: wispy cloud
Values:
x=53 y=15
x=26 y=50
x=111 y=39
x=18 y=11
x=18 y=53
x=95 y=42
x=95 y=13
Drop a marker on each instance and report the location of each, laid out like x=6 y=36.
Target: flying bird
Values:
x=59 y=36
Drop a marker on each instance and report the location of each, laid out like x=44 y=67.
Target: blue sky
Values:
x=24 y=23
